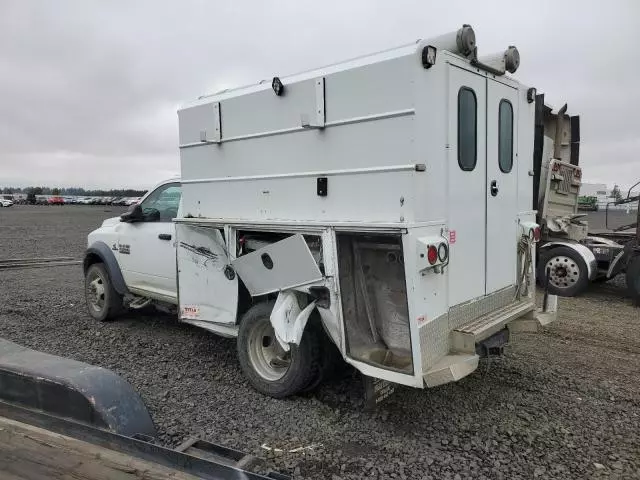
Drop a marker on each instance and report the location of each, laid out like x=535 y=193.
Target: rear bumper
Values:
x=450 y=355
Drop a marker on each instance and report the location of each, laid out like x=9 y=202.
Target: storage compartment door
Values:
x=207 y=285
x=280 y=266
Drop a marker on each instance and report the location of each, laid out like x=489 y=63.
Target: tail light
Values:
x=536 y=234
x=432 y=254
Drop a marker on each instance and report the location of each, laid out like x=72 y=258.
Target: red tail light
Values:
x=432 y=254
x=536 y=234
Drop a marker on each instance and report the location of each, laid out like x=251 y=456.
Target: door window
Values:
x=162 y=204
x=505 y=136
x=467 y=129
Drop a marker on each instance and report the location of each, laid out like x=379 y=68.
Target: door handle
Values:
x=494 y=188
x=164 y=236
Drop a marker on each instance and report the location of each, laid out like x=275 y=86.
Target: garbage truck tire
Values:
x=268 y=367
x=568 y=271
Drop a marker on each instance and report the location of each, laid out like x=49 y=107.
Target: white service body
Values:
x=344 y=182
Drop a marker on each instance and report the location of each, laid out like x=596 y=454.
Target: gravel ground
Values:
x=563 y=404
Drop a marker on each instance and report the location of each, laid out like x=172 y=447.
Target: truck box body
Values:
x=367 y=164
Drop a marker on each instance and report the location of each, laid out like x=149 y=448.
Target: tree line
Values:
x=75 y=191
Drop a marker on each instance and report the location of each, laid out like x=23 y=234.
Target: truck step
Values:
x=451 y=368
x=464 y=338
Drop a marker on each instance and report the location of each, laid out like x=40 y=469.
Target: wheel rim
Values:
x=96 y=292
x=267 y=357
x=564 y=272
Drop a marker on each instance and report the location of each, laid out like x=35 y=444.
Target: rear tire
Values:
x=569 y=275
x=103 y=302
x=268 y=368
x=633 y=278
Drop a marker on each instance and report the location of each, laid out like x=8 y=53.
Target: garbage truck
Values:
x=569 y=257
x=376 y=211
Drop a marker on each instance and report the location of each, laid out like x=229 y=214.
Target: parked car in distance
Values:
x=132 y=201
x=56 y=200
x=4 y=202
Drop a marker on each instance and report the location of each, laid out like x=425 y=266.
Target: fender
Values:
x=68 y=388
x=105 y=255
x=586 y=254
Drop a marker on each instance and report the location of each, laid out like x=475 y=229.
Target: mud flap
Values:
x=376 y=391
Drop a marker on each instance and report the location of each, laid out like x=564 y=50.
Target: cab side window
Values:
x=467 y=129
x=162 y=204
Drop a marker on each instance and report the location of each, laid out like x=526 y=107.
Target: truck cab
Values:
x=141 y=243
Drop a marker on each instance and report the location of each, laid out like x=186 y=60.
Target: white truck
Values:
x=376 y=210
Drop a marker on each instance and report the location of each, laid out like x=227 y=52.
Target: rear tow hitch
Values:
x=494 y=345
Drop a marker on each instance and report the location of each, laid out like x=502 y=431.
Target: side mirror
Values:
x=133 y=215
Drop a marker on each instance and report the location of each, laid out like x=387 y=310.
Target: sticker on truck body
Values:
x=190 y=312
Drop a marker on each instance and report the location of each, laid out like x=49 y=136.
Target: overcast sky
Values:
x=89 y=89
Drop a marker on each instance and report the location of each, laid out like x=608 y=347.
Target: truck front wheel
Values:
x=568 y=274
x=103 y=302
x=268 y=367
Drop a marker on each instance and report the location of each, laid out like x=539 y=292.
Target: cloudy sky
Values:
x=89 y=89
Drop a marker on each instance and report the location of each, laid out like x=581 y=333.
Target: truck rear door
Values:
x=502 y=188
x=467 y=184
x=482 y=185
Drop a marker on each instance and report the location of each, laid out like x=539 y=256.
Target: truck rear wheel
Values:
x=268 y=367
x=633 y=277
x=103 y=302
x=568 y=271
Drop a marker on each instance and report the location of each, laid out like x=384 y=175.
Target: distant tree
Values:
x=37 y=190
x=55 y=191
x=7 y=190
x=616 y=194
